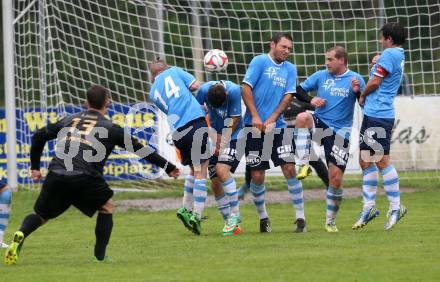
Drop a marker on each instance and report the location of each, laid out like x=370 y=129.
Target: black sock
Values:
x=248 y=177
x=103 y=230
x=321 y=170
x=30 y=224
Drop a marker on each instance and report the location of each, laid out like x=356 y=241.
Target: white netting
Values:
x=62 y=47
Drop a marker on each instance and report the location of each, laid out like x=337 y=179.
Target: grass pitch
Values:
x=155 y=246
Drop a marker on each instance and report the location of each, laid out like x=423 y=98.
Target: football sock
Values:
x=188 y=192
x=5 y=202
x=30 y=224
x=223 y=205
x=200 y=193
x=334 y=199
x=302 y=143
x=258 y=193
x=297 y=196
x=247 y=177
x=370 y=180
x=391 y=186
x=103 y=230
x=230 y=188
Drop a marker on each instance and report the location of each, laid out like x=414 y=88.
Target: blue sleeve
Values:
x=234 y=104
x=186 y=77
x=311 y=83
x=291 y=82
x=254 y=71
x=202 y=93
x=386 y=61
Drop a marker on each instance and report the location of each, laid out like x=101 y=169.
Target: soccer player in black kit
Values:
x=84 y=142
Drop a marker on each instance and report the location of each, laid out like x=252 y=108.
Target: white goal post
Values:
x=55 y=49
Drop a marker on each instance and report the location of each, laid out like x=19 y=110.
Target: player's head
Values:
x=281 y=45
x=157 y=67
x=98 y=97
x=336 y=59
x=392 y=34
x=216 y=95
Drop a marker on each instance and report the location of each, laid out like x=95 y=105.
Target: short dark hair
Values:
x=277 y=37
x=97 y=96
x=396 y=31
x=216 y=95
x=340 y=52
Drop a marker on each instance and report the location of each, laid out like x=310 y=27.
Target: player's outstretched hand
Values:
x=36 y=175
x=317 y=102
x=355 y=84
x=175 y=173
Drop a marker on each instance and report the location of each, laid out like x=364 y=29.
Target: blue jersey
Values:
x=270 y=82
x=219 y=117
x=337 y=113
x=380 y=103
x=170 y=93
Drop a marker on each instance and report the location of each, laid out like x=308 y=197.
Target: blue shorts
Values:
x=336 y=147
x=192 y=142
x=375 y=135
x=277 y=146
x=228 y=155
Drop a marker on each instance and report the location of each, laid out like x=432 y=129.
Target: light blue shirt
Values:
x=337 y=113
x=380 y=103
x=219 y=117
x=270 y=82
x=170 y=93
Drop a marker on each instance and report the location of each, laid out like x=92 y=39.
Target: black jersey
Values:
x=84 y=142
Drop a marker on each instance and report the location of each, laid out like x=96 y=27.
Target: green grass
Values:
x=154 y=246
x=173 y=188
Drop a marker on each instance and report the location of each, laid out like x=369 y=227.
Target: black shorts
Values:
x=228 y=155
x=192 y=142
x=277 y=145
x=375 y=135
x=59 y=192
x=336 y=147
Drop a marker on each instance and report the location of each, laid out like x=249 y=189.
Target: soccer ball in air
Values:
x=215 y=60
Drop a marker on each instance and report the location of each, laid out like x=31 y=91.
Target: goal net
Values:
x=64 y=46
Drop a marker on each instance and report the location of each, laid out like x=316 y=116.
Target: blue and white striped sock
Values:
x=297 y=195
x=258 y=193
x=5 y=202
x=334 y=199
x=223 y=205
x=200 y=192
x=230 y=188
x=370 y=180
x=188 y=186
x=391 y=186
x=302 y=144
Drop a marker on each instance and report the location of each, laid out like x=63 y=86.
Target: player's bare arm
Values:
x=372 y=85
x=248 y=99
x=227 y=132
x=194 y=86
x=270 y=122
